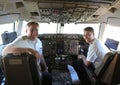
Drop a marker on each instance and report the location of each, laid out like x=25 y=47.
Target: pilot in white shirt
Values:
x=96 y=52
x=30 y=44
x=24 y=42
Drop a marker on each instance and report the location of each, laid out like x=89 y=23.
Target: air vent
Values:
x=113 y=9
x=19 y=4
x=95 y=16
x=34 y=13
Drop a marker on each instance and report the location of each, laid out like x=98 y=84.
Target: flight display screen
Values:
x=60 y=47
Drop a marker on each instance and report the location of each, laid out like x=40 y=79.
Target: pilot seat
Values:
x=21 y=69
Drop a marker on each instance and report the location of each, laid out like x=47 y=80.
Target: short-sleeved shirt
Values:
x=24 y=42
x=96 y=52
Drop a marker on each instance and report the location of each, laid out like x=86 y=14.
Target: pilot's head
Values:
x=89 y=34
x=32 y=30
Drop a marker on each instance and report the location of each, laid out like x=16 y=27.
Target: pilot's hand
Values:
x=80 y=56
x=33 y=52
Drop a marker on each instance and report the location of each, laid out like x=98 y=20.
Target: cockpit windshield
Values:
x=72 y=28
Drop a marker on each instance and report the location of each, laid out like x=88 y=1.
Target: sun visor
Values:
x=113 y=21
x=9 y=18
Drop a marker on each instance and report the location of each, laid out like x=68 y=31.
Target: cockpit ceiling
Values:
x=60 y=11
x=72 y=0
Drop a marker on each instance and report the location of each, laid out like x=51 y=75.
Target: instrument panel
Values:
x=60 y=44
x=60 y=36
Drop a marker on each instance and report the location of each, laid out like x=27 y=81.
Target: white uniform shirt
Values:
x=96 y=52
x=24 y=42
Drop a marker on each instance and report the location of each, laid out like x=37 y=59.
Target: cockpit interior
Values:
x=61 y=48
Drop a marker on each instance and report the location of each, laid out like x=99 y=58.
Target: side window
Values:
x=112 y=33
x=5 y=27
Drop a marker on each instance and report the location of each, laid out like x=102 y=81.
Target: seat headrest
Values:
x=107 y=55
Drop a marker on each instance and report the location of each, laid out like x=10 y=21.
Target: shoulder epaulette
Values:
x=24 y=37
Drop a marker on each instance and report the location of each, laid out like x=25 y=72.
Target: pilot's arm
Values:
x=14 y=50
x=87 y=63
x=42 y=61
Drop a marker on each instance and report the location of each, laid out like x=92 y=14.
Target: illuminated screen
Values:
x=60 y=47
x=112 y=44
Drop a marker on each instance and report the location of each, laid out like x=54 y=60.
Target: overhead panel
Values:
x=68 y=11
